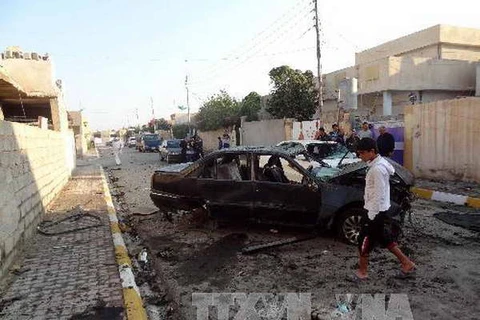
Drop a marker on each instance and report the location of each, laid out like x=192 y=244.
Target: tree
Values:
x=180 y=131
x=293 y=95
x=162 y=124
x=250 y=106
x=221 y=110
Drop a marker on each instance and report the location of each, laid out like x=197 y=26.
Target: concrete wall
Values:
x=457 y=41
x=477 y=90
x=456 y=52
x=210 y=138
x=442 y=139
x=34 y=76
x=398 y=73
x=263 y=133
x=420 y=39
x=34 y=166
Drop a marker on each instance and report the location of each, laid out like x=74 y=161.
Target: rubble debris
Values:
x=465 y=220
x=143 y=256
x=72 y=223
x=274 y=244
x=144 y=211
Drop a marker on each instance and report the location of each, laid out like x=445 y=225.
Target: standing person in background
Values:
x=117 y=146
x=337 y=134
x=321 y=135
x=351 y=141
x=225 y=141
x=334 y=133
x=365 y=132
x=220 y=143
x=385 y=142
x=184 y=145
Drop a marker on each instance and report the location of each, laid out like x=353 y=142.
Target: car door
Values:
x=224 y=182
x=295 y=200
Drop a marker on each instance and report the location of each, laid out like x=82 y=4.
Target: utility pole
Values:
x=188 y=103
x=319 y=63
x=153 y=113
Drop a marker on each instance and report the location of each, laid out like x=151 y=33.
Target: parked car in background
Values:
x=132 y=142
x=327 y=153
x=149 y=142
x=268 y=185
x=170 y=151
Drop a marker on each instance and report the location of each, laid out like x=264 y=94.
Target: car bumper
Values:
x=168 y=201
x=174 y=157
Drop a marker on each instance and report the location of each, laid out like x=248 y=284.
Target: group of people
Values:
x=385 y=141
x=195 y=145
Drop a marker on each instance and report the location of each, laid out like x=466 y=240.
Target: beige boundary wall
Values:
x=265 y=132
x=210 y=138
x=442 y=139
x=35 y=164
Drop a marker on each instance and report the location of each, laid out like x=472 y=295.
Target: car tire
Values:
x=349 y=224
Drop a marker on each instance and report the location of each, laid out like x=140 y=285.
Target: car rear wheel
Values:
x=349 y=224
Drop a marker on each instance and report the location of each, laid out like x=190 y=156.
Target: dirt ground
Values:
x=188 y=254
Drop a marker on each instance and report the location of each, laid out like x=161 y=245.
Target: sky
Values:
x=118 y=58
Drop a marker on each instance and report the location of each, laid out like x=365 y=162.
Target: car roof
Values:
x=305 y=142
x=258 y=150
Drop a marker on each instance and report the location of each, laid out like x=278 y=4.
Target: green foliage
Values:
x=293 y=94
x=180 y=131
x=250 y=106
x=219 y=111
x=162 y=124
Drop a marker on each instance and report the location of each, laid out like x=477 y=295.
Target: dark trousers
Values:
x=376 y=232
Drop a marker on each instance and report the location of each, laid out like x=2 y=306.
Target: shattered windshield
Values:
x=327 y=150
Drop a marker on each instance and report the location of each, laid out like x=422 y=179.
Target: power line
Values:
x=247 y=58
x=274 y=33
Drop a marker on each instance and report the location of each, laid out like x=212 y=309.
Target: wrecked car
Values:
x=268 y=185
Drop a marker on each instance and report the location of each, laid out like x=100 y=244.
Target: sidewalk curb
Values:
x=132 y=299
x=446 y=197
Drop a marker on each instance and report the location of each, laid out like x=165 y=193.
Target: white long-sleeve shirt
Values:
x=377 y=186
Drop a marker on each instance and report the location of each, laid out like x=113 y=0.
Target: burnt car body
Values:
x=237 y=184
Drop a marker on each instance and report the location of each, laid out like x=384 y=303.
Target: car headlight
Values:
x=174 y=153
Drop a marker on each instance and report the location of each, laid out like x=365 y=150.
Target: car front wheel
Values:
x=349 y=224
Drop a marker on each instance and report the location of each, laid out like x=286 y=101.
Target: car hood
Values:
x=401 y=171
x=174 y=167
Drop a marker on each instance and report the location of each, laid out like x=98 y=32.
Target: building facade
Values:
x=434 y=64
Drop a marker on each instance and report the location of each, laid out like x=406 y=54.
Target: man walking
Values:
x=117 y=146
x=385 y=142
x=377 y=202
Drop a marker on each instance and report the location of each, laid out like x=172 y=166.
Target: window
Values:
x=173 y=144
x=226 y=167
x=274 y=168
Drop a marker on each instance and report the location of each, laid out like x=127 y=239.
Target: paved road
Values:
x=189 y=256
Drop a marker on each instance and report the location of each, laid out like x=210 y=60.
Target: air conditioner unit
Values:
x=27 y=56
x=34 y=56
x=8 y=54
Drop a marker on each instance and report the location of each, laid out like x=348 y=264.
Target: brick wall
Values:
x=34 y=166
